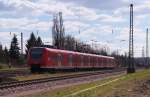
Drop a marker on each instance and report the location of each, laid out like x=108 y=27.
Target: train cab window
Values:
x=36 y=53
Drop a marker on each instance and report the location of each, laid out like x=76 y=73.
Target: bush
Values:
x=21 y=60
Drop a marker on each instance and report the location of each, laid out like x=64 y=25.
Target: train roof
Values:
x=74 y=52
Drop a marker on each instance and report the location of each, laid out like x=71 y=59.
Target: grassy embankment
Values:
x=5 y=67
x=110 y=87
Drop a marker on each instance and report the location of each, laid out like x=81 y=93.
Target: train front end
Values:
x=36 y=58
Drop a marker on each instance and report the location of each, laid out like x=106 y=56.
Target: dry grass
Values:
x=119 y=88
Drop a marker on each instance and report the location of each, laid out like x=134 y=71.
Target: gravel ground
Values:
x=6 y=76
x=25 y=90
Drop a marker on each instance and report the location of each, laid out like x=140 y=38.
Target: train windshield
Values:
x=36 y=53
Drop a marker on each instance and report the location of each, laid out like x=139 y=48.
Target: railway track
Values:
x=51 y=79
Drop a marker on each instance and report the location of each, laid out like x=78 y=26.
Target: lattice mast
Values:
x=131 y=68
x=147 y=48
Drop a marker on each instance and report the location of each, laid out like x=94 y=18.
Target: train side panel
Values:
x=61 y=59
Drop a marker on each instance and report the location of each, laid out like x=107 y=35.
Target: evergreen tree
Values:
x=6 y=52
x=1 y=53
x=39 y=42
x=32 y=42
x=14 y=50
x=6 y=55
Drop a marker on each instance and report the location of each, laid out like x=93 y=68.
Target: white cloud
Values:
x=109 y=18
x=74 y=26
x=94 y=22
x=24 y=24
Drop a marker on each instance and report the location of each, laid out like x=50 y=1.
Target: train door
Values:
x=102 y=62
x=73 y=61
x=85 y=61
x=106 y=63
x=91 y=62
x=88 y=61
x=109 y=62
x=54 y=60
x=70 y=60
x=94 y=62
x=59 y=60
x=65 y=62
x=81 y=60
x=51 y=60
x=97 y=62
x=77 y=61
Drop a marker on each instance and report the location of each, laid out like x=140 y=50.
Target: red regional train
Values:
x=42 y=58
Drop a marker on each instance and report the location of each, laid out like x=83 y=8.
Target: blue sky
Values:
x=95 y=18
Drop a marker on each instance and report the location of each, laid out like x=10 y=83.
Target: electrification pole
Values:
x=21 y=43
x=131 y=68
x=147 y=47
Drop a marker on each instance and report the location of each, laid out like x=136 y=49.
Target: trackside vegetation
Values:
x=108 y=87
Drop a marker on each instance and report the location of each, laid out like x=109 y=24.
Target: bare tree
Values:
x=58 y=31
